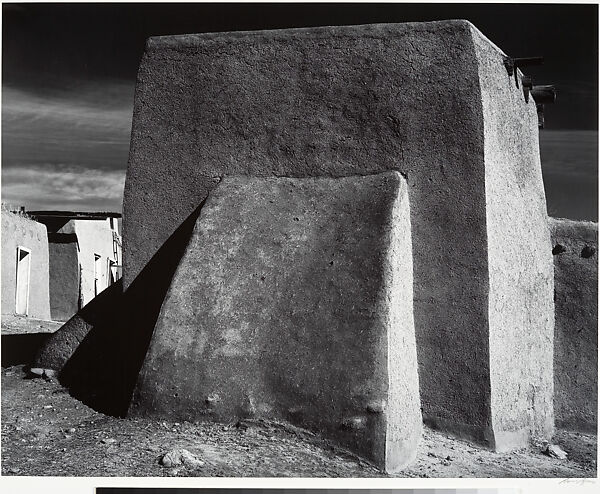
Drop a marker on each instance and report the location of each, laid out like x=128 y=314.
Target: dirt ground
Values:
x=45 y=431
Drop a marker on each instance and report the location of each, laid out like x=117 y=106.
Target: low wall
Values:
x=19 y=231
x=575 y=248
x=293 y=301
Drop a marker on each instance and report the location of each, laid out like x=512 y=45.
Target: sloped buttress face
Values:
x=293 y=301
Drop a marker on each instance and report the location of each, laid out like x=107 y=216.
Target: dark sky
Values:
x=69 y=73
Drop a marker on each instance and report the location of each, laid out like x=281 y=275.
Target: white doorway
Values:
x=23 y=271
x=97 y=269
x=112 y=272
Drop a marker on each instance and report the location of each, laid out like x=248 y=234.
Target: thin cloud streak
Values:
x=63 y=188
x=82 y=127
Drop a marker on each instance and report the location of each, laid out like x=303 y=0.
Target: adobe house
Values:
x=24 y=267
x=85 y=257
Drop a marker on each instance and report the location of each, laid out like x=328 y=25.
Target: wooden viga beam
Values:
x=513 y=63
x=543 y=95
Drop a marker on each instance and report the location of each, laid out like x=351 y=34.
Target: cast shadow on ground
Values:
x=99 y=351
x=21 y=348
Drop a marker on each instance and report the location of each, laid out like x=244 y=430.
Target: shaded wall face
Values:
x=332 y=102
x=64 y=279
x=576 y=334
x=22 y=232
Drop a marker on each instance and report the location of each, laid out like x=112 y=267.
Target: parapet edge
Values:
x=192 y=40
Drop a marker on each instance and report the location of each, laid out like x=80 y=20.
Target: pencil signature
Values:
x=577 y=481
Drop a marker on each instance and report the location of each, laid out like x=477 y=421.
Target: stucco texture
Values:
x=575 y=244
x=521 y=282
x=19 y=231
x=343 y=101
x=293 y=301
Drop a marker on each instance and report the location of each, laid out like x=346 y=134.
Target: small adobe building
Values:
x=84 y=257
x=24 y=267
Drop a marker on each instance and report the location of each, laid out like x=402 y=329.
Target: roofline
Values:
x=74 y=214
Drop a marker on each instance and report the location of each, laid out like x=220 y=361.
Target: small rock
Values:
x=37 y=371
x=71 y=430
x=376 y=406
x=49 y=373
x=177 y=457
x=354 y=423
x=14 y=470
x=47 y=406
x=108 y=440
x=554 y=451
x=241 y=425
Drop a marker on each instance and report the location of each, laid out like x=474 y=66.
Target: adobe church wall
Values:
x=342 y=101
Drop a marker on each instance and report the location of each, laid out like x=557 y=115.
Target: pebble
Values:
x=108 y=440
x=555 y=451
x=354 y=423
x=376 y=406
x=49 y=373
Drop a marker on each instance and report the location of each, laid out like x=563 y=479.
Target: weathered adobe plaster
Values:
x=302 y=312
x=575 y=247
x=521 y=281
x=343 y=101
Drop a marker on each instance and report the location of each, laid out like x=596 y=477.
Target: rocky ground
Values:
x=25 y=325
x=47 y=432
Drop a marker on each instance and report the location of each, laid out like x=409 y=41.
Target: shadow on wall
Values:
x=100 y=350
